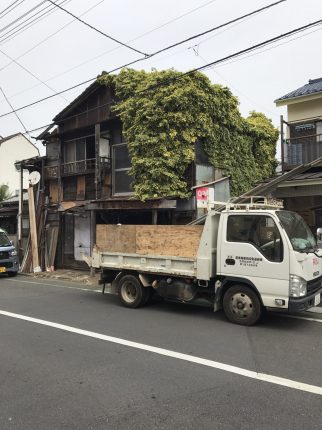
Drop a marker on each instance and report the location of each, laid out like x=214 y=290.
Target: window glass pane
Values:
x=69 y=152
x=259 y=230
x=121 y=157
x=80 y=149
x=122 y=182
x=90 y=147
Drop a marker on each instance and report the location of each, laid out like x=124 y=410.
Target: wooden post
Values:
x=33 y=228
x=154 y=217
x=282 y=141
x=20 y=211
x=97 y=158
x=93 y=237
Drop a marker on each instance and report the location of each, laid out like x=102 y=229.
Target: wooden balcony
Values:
x=300 y=150
x=78 y=167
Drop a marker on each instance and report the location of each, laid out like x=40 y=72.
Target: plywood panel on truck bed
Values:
x=170 y=240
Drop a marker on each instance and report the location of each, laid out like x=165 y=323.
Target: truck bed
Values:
x=178 y=266
x=168 y=249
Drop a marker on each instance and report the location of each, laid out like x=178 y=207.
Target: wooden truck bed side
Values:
x=168 y=240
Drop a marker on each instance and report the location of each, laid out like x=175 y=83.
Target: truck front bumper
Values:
x=303 y=303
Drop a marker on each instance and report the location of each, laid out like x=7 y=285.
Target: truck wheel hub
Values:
x=241 y=305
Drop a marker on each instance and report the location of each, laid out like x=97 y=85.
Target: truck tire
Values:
x=131 y=292
x=241 y=305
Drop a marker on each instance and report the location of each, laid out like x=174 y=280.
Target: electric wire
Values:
x=12 y=6
x=105 y=52
x=235 y=21
x=206 y=66
x=7 y=100
x=32 y=74
x=48 y=37
x=21 y=16
x=28 y=23
x=219 y=26
x=97 y=30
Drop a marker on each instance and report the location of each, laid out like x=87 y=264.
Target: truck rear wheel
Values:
x=131 y=292
x=241 y=305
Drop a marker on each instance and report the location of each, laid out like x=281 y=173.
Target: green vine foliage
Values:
x=164 y=113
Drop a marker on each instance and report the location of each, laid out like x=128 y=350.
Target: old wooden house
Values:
x=86 y=180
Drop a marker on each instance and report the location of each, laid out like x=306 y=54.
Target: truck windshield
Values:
x=298 y=231
x=4 y=241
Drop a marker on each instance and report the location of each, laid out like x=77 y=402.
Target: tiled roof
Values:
x=314 y=86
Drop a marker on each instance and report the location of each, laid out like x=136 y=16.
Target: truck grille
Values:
x=4 y=255
x=314 y=285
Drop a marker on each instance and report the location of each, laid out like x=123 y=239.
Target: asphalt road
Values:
x=206 y=374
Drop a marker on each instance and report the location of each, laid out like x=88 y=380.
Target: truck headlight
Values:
x=298 y=286
x=13 y=253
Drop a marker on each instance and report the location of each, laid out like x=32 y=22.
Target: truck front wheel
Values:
x=131 y=292
x=241 y=305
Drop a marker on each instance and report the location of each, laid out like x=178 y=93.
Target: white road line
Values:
x=173 y=354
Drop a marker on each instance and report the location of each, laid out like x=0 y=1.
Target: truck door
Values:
x=253 y=248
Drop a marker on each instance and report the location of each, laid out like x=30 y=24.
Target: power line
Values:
x=97 y=30
x=169 y=81
x=182 y=42
x=21 y=16
x=110 y=50
x=23 y=125
x=27 y=23
x=51 y=35
x=272 y=47
x=235 y=20
x=11 y=6
x=31 y=73
x=219 y=26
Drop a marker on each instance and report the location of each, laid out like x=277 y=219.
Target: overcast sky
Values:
x=58 y=51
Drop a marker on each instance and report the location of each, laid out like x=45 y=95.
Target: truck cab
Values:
x=271 y=253
x=8 y=255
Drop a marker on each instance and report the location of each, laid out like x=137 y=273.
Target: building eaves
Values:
x=4 y=139
x=83 y=96
x=314 y=86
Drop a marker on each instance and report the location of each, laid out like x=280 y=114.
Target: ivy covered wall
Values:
x=165 y=112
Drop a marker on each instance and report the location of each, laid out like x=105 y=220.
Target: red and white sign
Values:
x=204 y=195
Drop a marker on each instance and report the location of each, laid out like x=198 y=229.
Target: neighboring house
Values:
x=301 y=144
x=86 y=179
x=8 y=218
x=12 y=149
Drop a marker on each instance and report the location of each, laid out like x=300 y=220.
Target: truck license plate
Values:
x=2 y=269
x=317 y=299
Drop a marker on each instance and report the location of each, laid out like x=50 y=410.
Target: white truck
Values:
x=245 y=258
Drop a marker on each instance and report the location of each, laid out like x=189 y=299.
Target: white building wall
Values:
x=15 y=149
x=306 y=110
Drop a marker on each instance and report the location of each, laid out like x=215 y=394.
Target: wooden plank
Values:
x=80 y=189
x=116 y=238
x=33 y=228
x=172 y=240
